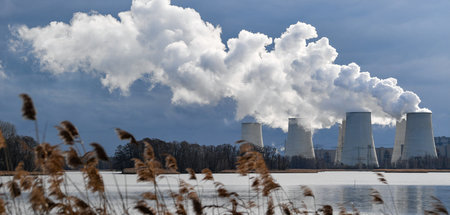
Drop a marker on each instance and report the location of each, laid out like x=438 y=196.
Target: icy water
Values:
x=407 y=193
x=408 y=199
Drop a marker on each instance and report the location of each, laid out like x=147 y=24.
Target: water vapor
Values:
x=172 y=46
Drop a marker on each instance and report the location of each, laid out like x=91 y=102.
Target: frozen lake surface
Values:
x=411 y=192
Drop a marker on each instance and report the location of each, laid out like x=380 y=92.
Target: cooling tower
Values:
x=337 y=158
x=400 y=129
x=358 y=147
x=252 y=133
x=419 y=141
x=299 y=139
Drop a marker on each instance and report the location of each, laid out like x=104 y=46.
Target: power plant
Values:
x=252 y=133
x=338 y=156
x=299 y=139
x=413 y=138
x=419 y=139
x=399 y=144
x=358 y=147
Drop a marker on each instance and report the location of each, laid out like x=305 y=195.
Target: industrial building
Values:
x=400 y=129
x=252 y=133
x=299 y=139
x=413 y=138
x=419 y=139
x=358 y=148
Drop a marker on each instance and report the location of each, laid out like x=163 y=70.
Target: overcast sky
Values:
x=406 y=40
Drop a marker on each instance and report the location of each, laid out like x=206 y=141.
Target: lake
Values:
x=411 y=192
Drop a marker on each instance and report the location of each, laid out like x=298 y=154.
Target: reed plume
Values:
x=180 y=209
x=208 y=175
x=55 y=187
x=192 y=175
x=376 y=196
x=438 y=206
x=37 y=197
x=221 y=191
x=28 y=111
x=100 y=152
x=381 y=178
x=14 y=189
x=25 y=181
x=307 y=191
x=183 y=187
x=270 y=207
x=343 y=210
x=2 y=140
x=149 y=196
x=2 y=207
x=327 y=210
x=171 y=163
x=49 y=158
x=246 y=147
x=197 y=205
x=65 y=135
x=123 y=135
x=72 y=158
x=147 y=171
x=19 y=172
x=93 y=177
x=68 y=126
x=81 y=206
x=143 y=208
x=255 y=184
x=149 y=153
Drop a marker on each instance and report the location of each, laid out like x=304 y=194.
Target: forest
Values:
x=17 y=148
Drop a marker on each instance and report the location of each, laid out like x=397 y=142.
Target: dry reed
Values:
x=2 y=207
x=65 y=135
x=438 y=206
x=192 y=175
x=72 y=158
x=123 y=135
x=68 y=126
x=28 y=111
x=171 y=163
x=100 y=152
x=2 y=140
x=376 y=196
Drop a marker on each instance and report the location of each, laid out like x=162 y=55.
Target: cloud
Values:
x=2 y=71
x=172 y=46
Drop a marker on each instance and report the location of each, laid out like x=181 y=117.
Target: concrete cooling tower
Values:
x=338 y=157
x=400 y=129
x=358 y=147
x=419 y=141
x=299 y=139
x=252 y=133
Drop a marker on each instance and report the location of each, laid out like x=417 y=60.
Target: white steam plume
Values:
x=173 y=46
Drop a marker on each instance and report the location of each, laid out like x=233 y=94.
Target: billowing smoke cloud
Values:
x=173 y=46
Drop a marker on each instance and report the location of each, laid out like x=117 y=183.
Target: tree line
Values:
x=194 y=156
x=17 y=148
